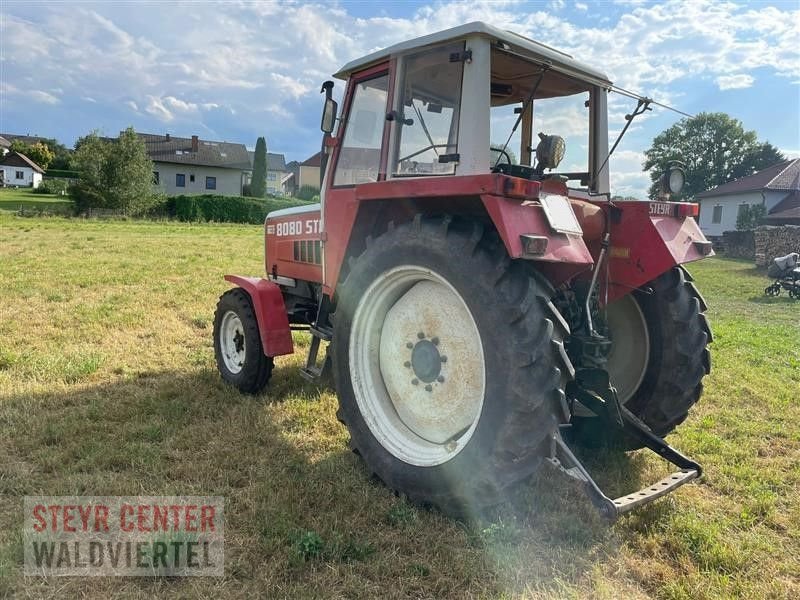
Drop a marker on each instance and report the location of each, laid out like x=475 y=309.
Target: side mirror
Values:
x=329 y=111
x=329 y=115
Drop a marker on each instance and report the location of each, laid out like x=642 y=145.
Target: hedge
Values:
x=62 y=174
x=229 y=209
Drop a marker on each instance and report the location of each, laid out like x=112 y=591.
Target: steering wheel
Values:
x=501 y=152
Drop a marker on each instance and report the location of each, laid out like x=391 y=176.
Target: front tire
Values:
x=237 y=343
x=446 y=361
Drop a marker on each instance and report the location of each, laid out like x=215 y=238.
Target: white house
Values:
x=277 y=173
x=17 y=170
x=194 y=166
x=773 y=187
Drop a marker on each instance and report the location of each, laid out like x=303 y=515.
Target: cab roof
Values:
x=536 y=51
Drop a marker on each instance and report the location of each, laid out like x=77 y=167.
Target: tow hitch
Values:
x=592 y=388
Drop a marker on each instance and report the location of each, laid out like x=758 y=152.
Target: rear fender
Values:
x=565 y=254
x=270 y=310
x=645 y=245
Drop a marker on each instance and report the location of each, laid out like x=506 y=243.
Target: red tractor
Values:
x=479 y=309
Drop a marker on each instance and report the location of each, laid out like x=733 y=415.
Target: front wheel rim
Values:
x=417 y=365
x=232 y=343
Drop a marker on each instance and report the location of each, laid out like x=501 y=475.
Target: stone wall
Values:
x=739 y=244
x=771 y=242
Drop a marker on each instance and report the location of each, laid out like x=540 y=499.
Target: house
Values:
x=194 y=166
x=277 y=173
x=17 y=170
x=777 y=188
x=292 y=183
x=309 y=171
x=5 y=146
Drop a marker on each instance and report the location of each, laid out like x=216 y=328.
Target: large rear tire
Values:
x=446 y=361
x=659 y=356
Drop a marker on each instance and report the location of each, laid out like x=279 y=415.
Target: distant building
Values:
x=293 y=182
x=194 y=166
x=277 y=173
x=17 y=170
x=309 y=171
x=28 y=140
x=777 y=188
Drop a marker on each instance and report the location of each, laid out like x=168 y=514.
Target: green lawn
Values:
x=108 y=386
x=24 y=199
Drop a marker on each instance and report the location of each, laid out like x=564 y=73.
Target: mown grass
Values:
x=108 y=386
x=24 y=199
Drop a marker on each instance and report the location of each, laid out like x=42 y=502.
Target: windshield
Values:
x=559 y=106
x=428 y=124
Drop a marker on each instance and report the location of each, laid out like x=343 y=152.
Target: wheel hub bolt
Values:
x=440 y=379
x=429 y=388
x=409 y=345
x=407 y=365
x=443 y=358
x=414 y=381
x=421 y=335
x=435 y=341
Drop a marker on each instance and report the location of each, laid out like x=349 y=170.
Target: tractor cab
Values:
x=470 y=100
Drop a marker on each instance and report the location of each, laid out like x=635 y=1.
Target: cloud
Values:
x=219 y=70
x=155 y=106
x=44 y=97
x=734 y=82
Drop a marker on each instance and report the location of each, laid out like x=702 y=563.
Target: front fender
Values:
x=270 y=310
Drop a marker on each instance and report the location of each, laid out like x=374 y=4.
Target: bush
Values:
x=61 y=173
x=52 y=186
x=222 y=209
x=750 y=216
x=307 y=192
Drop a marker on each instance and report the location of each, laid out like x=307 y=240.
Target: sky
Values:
x=234 y=71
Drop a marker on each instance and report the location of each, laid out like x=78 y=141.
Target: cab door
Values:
x=359 y=156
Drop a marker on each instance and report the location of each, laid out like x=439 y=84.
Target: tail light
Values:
x=687 y=209
x=516 y=187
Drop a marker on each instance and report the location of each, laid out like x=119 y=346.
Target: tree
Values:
x=38 y=152
x=714 y=149
x=258 y=187
x=63 y=155
x=750 y=216
x=114 y=175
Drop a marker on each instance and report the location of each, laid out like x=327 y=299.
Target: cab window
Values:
x=360 y=152
x=427 y=119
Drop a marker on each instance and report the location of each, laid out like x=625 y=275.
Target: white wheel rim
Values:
x=411 y=326
x=232 y=342
x=630 y=346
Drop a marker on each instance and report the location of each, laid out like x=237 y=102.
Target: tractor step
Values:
x=313 y=372
x=592 y=388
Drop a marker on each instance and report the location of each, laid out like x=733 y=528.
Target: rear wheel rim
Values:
x=232 y=342
x=417 y=365
x=630 y=346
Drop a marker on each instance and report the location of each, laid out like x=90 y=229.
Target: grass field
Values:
x=108 y=386
x=23 y=199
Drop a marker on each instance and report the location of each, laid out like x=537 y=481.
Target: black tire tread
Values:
x=532 y=333
x=677 y=386
x=257 y=370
